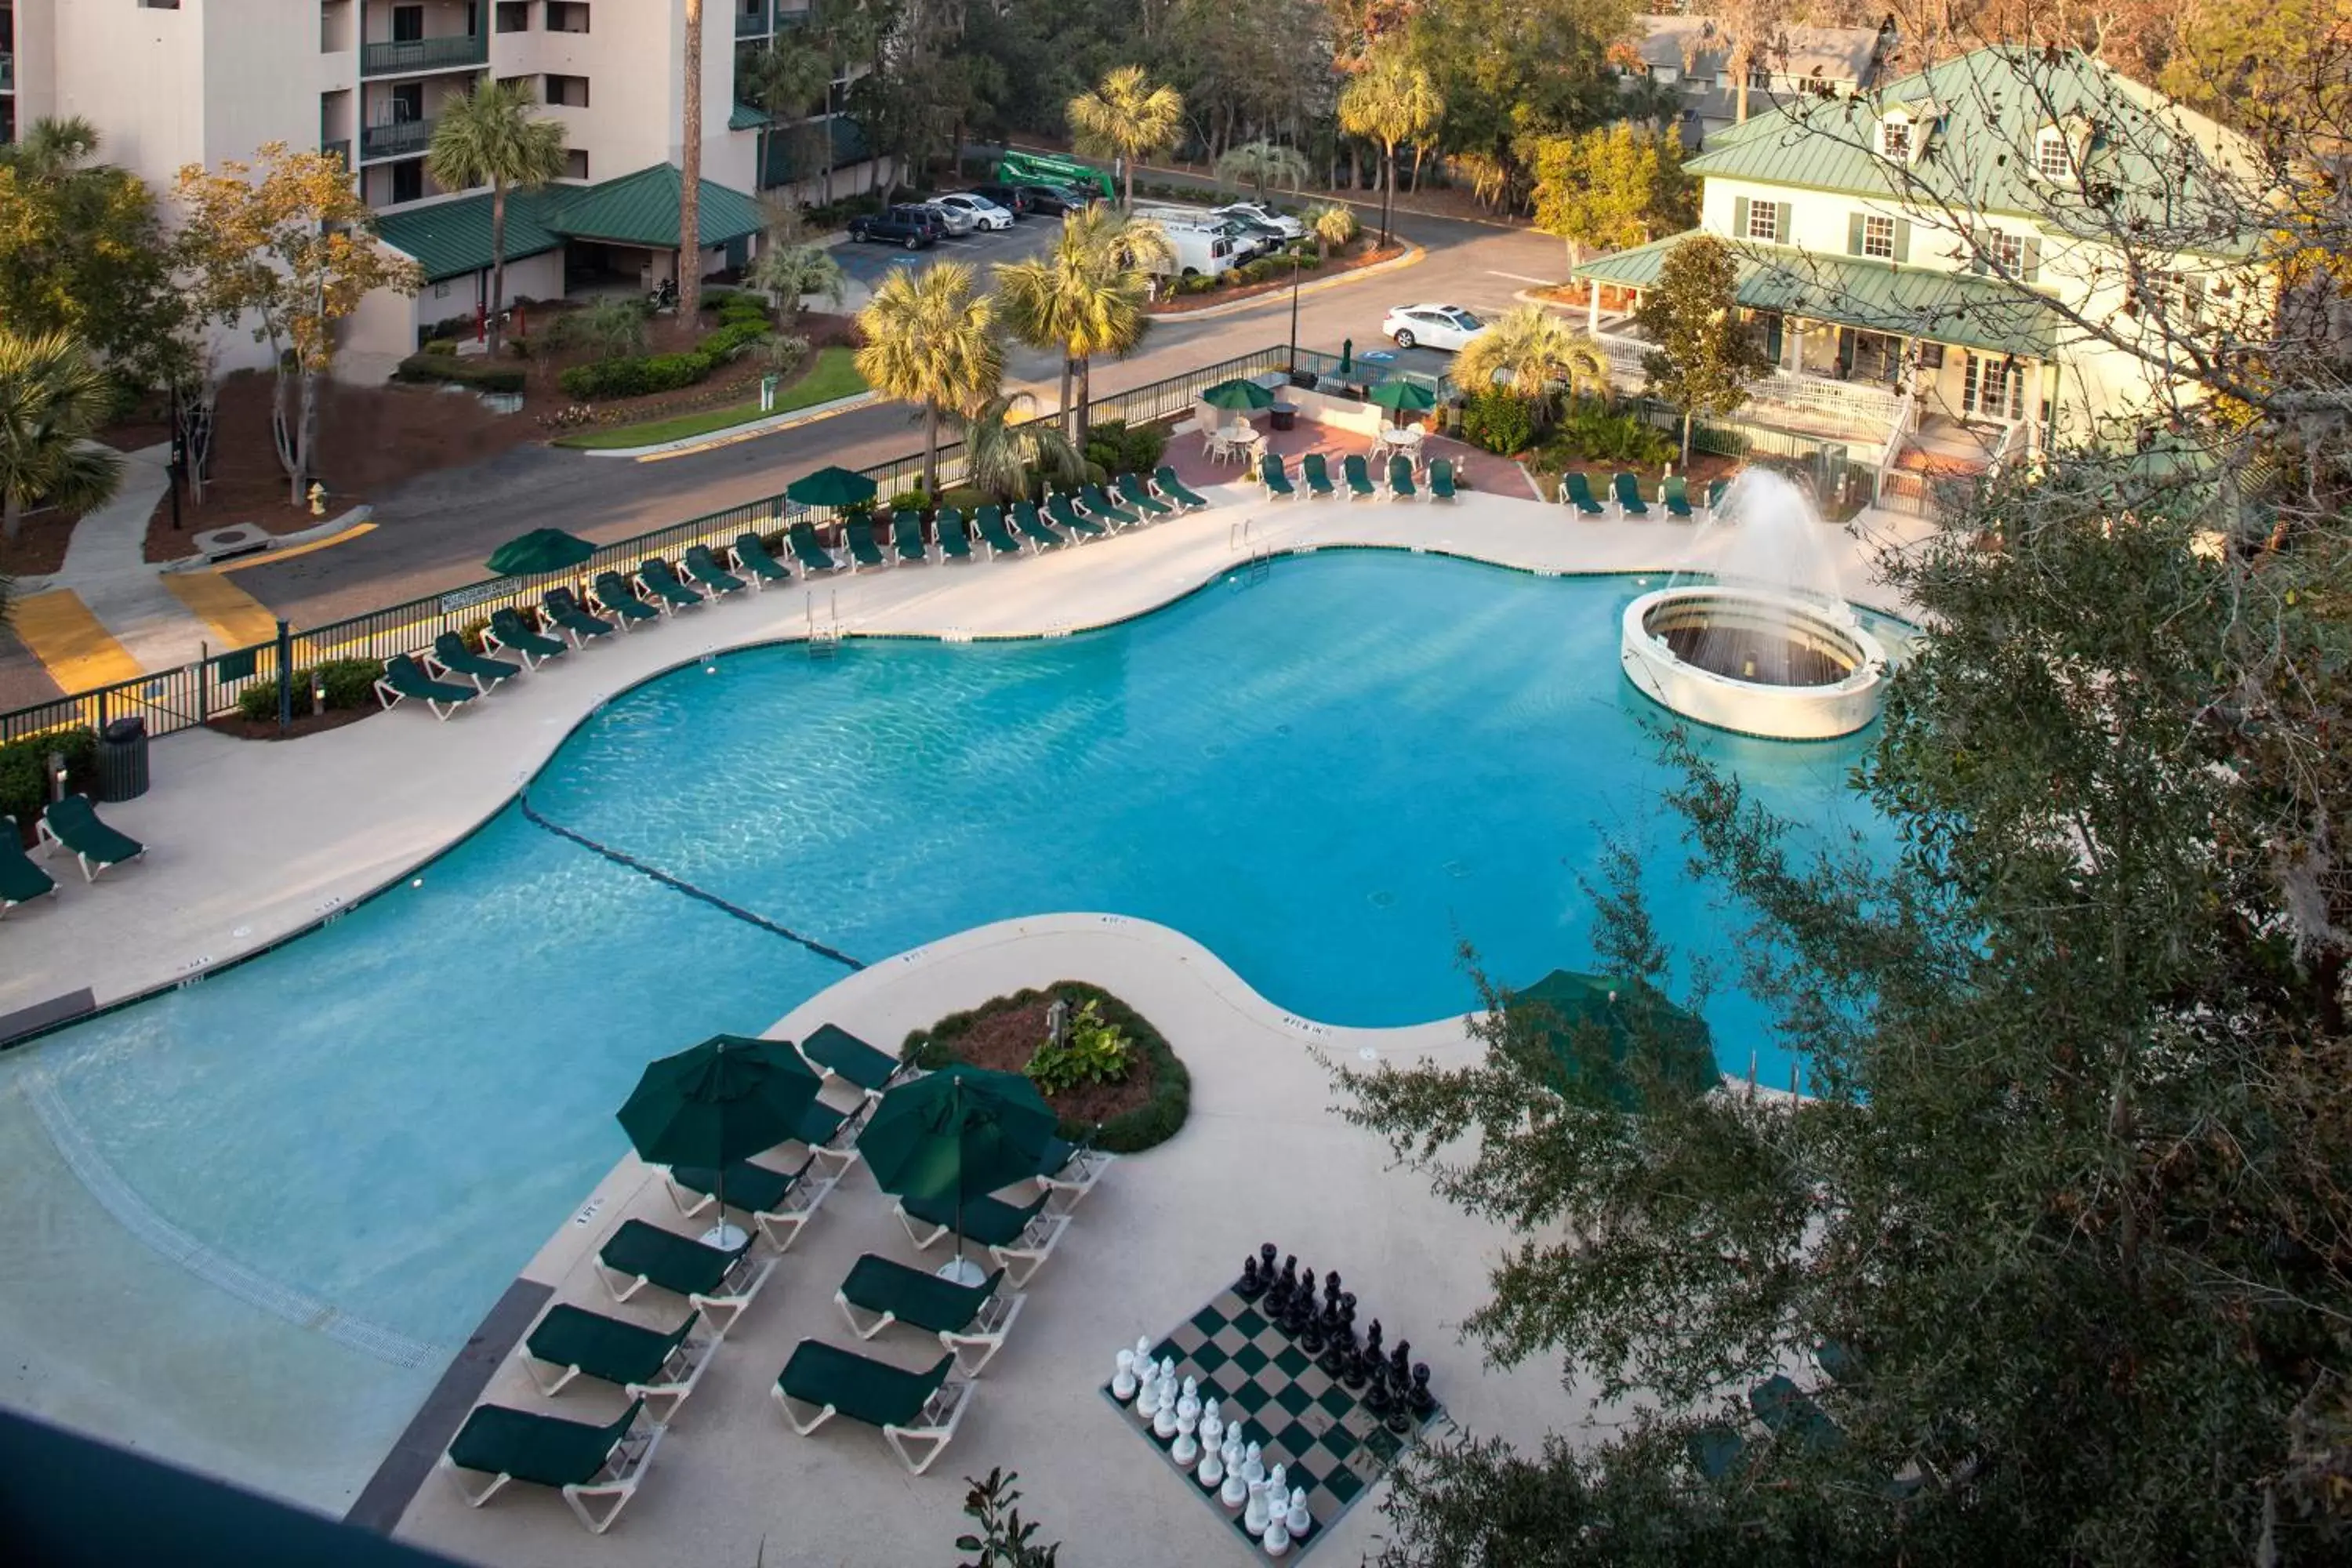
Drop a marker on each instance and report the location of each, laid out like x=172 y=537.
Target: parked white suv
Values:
x=1431 y=326
x=983 y=213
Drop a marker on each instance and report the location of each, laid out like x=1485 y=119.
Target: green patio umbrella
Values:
x=1238 y=396
x=541 y=551
x=958 y=1133
x=718 y=1105
x=1567 y=1006
x=1403 y=397
x=832 y=487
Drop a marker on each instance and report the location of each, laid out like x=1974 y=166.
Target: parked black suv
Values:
x=1057 y=199
x=911 y=226
x=1013 y=199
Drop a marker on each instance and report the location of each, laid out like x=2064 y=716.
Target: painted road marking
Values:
x=71 y=642
x=1522 y=278
x=236 y=616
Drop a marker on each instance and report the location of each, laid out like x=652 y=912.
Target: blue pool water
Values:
x=1328 y=778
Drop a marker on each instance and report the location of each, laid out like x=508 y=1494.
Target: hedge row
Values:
x=1155 y=1121
x=638 y=375
x=24 y=772
x=480 y=375
x=347 y=683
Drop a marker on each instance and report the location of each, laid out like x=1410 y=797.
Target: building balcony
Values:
x=338 y=150
x=402 y=139
x=454 y=51
x=754 y=21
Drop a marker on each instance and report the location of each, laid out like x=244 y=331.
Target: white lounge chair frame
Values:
x=981 y=1338
x=781 y=1227
x=627 y=1474
x=530 y=661
x=393 y=698
x=46 y=839
x=1020 y=1258
x=718 y=1311
x=942 y=1414
x=681 y=1372
x=1077 y=1176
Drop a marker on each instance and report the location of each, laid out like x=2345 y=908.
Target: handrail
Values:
x=1906 y=415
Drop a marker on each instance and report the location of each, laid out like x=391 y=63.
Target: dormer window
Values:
x=2053 y=157
x=1895 y=139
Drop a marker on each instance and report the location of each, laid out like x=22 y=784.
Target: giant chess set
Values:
x=1271 y=1405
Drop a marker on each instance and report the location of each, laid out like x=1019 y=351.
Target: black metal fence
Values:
x=194 y=693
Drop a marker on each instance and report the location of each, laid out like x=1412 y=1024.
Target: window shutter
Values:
x=1902 y=239
x=1781 y=213
x=1853 y=233
x=1739 y=218
x=1772 y=338
x=2032 y=269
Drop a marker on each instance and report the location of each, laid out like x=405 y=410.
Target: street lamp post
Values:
x=1294 y=312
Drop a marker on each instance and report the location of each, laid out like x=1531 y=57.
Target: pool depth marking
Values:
x=674 y=884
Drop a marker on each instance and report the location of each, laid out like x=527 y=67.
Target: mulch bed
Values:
x=245 y=728
x=1006 y=1041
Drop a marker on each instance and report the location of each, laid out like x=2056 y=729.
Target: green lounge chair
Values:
x=616 y=598
x=1400 y=479
x=1164 y=480
x=1278 y=482
x=72 y=824
x=1021 y=1236
x=718 y=1282
x=1674 y=496
x=832 y=1134
x=656 y=579
x=450 y=656
x=1071 y=1170
x=991 y=522
x=752 y=555
x=1099 y=505
x=955 y=540
x=567 y=615
x=1441 y=479
x=858 y=538
x=1358 y=477
x=404 y=677
x=508 y=634
x=812 y=556
x=835 y=1052
x=1628 y=491
x=1577 y=490
x=1062 y=511
x=970 y=1319
x=707 y=573
x=1317 y=475
x=644 y=1362
x=1137 y=494
x=21 y=881
x=1715 y=494
x=906 y=529
x=1034 y=529
x=908 y=1407
x=778 y=1202
x=589 y=1463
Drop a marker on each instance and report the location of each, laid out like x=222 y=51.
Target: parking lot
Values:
x=869 y=261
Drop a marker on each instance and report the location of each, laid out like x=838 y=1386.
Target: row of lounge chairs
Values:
x=1625 y=494
x=597 y=1466
x=1314 y=474
x=1090 y=512
x=70 y=824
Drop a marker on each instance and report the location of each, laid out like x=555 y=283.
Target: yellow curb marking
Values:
x=236 y=616
x=71 y=642
x=268 y=557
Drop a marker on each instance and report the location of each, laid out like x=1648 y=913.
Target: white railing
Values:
x=1624 y=355
x=2013 y=441
x=1848 y=400
x=1906 y=419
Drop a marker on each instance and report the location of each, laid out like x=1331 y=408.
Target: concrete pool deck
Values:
x=1262 y=1158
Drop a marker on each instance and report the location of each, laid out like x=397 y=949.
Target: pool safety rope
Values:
x=619 y=858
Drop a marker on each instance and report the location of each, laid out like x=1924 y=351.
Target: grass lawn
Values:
x=833 y=376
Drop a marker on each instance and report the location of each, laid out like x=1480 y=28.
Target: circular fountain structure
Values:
x=1751 y=636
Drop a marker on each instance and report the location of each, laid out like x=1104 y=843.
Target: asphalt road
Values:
x=435 y=531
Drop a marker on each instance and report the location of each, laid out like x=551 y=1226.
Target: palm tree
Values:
x=53 y=397
x=1262 y=164
x=1530 y=351
x=51 y=148
x=783 y=79
x=999 y=456
x=786 y=273
x=1127 y=118
x=689 y=189
x=1085 y=296
x=491 y=137
x=1335 y=225
x=1391 y=100
x=930 y=340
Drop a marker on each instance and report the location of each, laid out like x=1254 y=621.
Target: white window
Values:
x=1764 y=222
x=1760 y=78
x=2008 y=249
x=2053 y=159
x=1894 y=140
x=1666 y=75
x=1878 y=237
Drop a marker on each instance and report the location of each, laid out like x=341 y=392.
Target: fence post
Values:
x=204 y=682
x=285 y=676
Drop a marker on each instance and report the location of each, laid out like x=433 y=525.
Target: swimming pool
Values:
x=1328 y=774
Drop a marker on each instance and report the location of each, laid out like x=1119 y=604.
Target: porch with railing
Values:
x=412 y=56
x=400 y=138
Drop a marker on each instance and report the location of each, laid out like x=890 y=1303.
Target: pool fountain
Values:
x=1757 y=639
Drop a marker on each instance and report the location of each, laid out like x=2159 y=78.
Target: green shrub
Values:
x=965 y=499
x=1498 y=421
x=1119 y=447
x=347 y=682
x=24 y=772
x=1594 y=433
x=918 y=498
x=441 y=346
x=258 y=701
x=1091 y=1051
x=1153 y=1122
x=350 y=682
x=481 y=374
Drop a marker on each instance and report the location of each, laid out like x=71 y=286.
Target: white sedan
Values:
x=983 y=212
x=1288 y=227
x=1431 y=326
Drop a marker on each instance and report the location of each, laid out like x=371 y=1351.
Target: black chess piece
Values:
x=1398 y=1421
x=1299 y=1303
x=1376 y=1395
x=1331 y=1289
x=1334 y=1360
x=1373 y=1350
x=1252 y=1286
x=1266 y=1256
x=1400 y=1366
x=1289 y=1286
x=1311 y=1337
x=1348 y=1308
x=1421 y=1399
x=1354 y=1374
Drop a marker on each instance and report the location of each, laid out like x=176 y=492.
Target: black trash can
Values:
x=122 y=760
x=1285 y=417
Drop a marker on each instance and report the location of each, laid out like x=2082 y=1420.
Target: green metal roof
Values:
x=745 y=118
x=450 y=240
x=785 y=166
x=1957 y=308
x=2147 y=157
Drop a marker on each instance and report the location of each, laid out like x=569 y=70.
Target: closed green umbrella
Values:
x=1238 y=396
x=1570 y=1004
x=832 y=487
x=541 y=551
x=958 y=1133
x=1403 y=397
x=718 y=1105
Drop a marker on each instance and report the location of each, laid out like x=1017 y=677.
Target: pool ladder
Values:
x=1259 y=563
x=824 y=637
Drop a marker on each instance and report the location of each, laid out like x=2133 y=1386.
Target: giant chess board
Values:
x=1304 y=1419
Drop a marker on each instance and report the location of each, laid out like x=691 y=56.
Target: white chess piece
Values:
x=1147 y=1392
x=1253 y=1464
x=1277 y=1490
x=1168 y=1375
x=1277 y=1539
x=1143 y=1367
x=1187 y=1450
x=1187 y=1403
x=1163 y=1416
x=1236 y=1491
x=1299 y=1522
x=1211 y=1473
x=1122 y=1387
x=1213 y=1429
x=1255 y=1517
